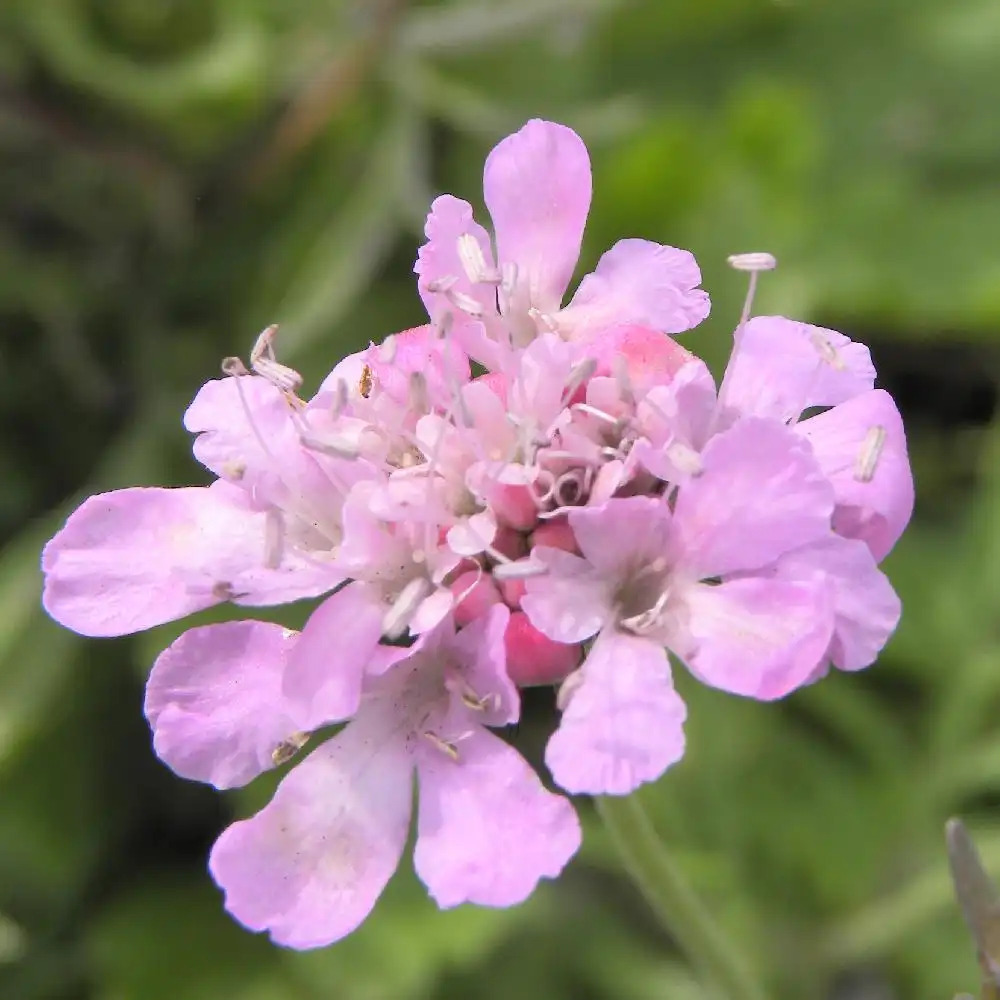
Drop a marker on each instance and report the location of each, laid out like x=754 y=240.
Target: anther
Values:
x=595 y=412
x=234 y=469
x=508 y=278
x=419 y=400
x=623 y=379
x=367 y=382
x=466 y=303
x=870 y=453
x=827 y=351
x=265 y=364
x=520 y=570
x=441 y=285
x=288 y=748
x=340 y=398
x=752 y=261
x=397 y=618
x=274 y=538
x=470 y=253
x=333 y=445
x=233 y=366
x=446 y=747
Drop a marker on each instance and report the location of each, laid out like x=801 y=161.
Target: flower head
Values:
x=585 y=510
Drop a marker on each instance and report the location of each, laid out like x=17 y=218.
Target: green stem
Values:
x=672 y=899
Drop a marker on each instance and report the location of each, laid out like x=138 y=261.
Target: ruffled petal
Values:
x=309 y=867
x=327 y=667
x=214 y=703
x=537 y=186
x=780 y=367
x=759 y=638
x=640 y=282
x=570 y=602
x=128 y=560
x=866 y=608
x=624 y=723
x=487 y=830
x=861 y=446
x=759 y=495
x=442 y=273
x=623 y=534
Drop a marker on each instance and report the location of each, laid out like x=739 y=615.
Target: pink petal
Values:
x=214 y=701
x=760 y=494
x=866 y=608
x=638 y=282
x=533 y=658
x=781 y=367
x=648 y=356
x=128 y=560
x=310 y=866
x=624 y=722
x=569 y=603
x=438 y=262
x=861 y=446
x=487 y=830
x=326 y=669
x=242 y=423
x=537 y=187
x=482 y=653
x=623 y=534
x=760 y=638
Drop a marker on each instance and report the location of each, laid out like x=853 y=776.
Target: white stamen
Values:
x=446 y=747
x=334 y=445
x=470 y=253
x=623 y=379
x=508 y=278
x=419 y=400
x=265 y=364
x=752 y=261
x=340 y=398
x=827 y=351
x=520 y=570
x=288 y=748
x=580 y=373
x=274 y=538
x=870 y=453
x=397 y=618
x=465 y=303
x=441 y=285
x=595 y=412
x=233 y=366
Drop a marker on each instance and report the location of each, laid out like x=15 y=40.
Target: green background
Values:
x=174 y=175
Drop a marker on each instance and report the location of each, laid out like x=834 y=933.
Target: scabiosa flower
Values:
x=310 y=866
x=585 y=509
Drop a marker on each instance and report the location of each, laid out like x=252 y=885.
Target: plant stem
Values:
x=672 y=899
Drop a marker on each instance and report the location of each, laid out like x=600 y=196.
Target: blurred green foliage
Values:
x=175 y=175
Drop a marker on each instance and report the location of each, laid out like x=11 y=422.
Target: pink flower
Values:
x=537 y=188
x=742 y=579
x=781 y=369
x=584 y=509
x=309 y=867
